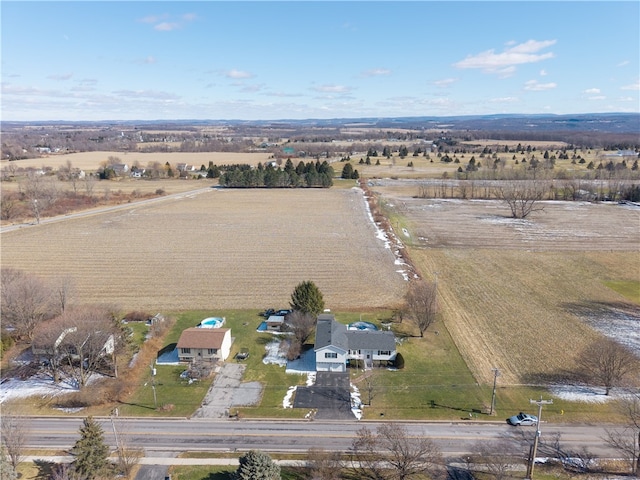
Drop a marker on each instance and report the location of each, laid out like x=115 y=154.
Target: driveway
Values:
x=228 y=391
x=330 y=396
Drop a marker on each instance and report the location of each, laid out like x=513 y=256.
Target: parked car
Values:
x=522 y=419
x=243 y=354
x=282 y=313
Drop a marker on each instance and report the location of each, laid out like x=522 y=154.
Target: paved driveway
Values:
x=228 y=391
x=330 y=395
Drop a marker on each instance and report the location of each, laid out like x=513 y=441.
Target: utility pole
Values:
x=496 y=374
x=153 y=386
x=534 y=448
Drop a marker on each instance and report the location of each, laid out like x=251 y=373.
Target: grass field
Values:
x=514 y=294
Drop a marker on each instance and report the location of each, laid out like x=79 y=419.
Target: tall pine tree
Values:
x=90 y=450
x=307 y=298
x=256 y=465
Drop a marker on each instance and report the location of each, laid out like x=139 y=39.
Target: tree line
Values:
x=310 y=174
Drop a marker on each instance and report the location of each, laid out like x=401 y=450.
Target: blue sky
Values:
x=125 y=60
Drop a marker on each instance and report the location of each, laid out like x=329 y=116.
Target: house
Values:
x=208 y=344
x=335 y=345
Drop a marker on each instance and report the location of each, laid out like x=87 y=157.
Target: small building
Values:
x=204 y=344
x=275 y=323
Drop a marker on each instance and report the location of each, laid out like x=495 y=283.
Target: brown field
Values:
x=215 y=250
x=90 y=161
x=514 y=293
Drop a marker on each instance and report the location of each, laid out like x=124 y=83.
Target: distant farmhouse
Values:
x=336 y=345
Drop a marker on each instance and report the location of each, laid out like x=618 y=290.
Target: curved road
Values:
x=176 y=434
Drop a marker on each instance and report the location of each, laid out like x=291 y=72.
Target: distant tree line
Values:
x=310 y=174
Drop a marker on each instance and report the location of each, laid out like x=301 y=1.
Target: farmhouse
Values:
x=335 y=345
x=204 y=344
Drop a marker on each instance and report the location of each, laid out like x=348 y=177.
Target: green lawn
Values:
x=434 y=385
x=630 y=289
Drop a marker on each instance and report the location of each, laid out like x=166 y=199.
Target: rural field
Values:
x=218 y=249
x=523 y=295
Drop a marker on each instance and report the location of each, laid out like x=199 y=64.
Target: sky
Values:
x=263 y=60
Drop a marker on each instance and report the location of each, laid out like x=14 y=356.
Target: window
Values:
x=186 y=350
x=212 y=351
x=330 y=355
x=384 y=352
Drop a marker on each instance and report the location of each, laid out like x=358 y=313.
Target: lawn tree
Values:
x=302 y=325
x=13 y=432
x=369 y=384
x=307 y=298
x=255 y=465
x=421 y=304
x=391 y=453
x=627 y=439
x=522 y=196
x=608 y=363
x=25 y=300
x=63 y=291
x=90 y=451
x=324 y=465
x=90 y=343
x=40 y=193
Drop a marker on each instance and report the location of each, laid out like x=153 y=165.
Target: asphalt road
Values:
x=175 y=435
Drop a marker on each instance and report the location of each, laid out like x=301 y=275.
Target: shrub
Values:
x=399 y=362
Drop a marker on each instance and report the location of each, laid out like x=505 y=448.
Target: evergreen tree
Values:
x=90 y=450
x=256 y=465
x=307 y=298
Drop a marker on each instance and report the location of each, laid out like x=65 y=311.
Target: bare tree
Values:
x=607 y=362
x=128 y=455
x=13 y=431
x=40 y=192
x=391 y=453
x=302 y=325
x=421 y=304
x=522 y=196
x=64 y=289
x=369 y=383
x=627 y=439
x=25 y=301
x=89 y=184
x=90 y=344
x=324 y=465
x=495 y=458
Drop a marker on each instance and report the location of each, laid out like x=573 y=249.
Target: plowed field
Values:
x=218 y=249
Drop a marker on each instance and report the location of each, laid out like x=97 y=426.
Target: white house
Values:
x=335 y=345
x=204 y=344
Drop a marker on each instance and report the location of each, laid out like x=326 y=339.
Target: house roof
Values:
x=371 y=340
x=202 y=337
x=330 y=333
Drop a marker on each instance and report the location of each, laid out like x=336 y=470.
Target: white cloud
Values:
x=445 y=82
x=505 y=100
x=632 y=86
x=492 y=62
x=150 y=60
x=238 y=74
x=543 y=73
x=591 y=91
x=61 y=77
x=534 y=86
x=332 y=89
x=376 y=72
x=597 y=97
x=624 y=63
x=165 y=23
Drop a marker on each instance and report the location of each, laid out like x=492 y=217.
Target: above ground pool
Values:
x=211 y=322
x=362 y=326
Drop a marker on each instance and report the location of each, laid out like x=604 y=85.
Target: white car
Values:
x=522 y=419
